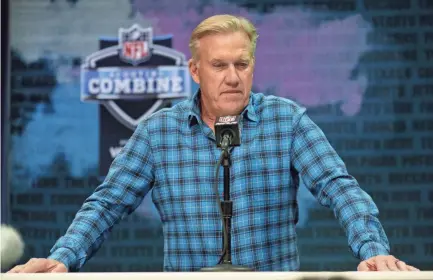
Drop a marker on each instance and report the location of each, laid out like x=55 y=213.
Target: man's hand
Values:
x=385 y=263
x=40 y=265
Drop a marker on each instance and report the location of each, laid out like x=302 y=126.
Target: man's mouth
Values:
x=232 y=92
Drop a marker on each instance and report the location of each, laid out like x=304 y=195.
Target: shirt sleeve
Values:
x=325 y=175
x=129 y=179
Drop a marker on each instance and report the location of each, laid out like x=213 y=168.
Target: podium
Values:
x=399 y=275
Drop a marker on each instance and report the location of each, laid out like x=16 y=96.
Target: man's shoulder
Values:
x=265 y=104
x=167 y=117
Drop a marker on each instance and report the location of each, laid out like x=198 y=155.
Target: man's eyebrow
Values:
x=213 y=60
x=240 y=59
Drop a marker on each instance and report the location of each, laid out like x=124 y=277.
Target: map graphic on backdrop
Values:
x=131 y=77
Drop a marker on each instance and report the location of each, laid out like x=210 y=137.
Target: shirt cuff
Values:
x=65 y=256
x=372 y=249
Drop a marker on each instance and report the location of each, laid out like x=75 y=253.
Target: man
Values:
x=174 y=153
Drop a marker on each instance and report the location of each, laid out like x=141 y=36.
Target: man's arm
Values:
x=325 y=175
x=128 y=180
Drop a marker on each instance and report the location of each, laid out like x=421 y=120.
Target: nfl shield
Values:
x=112 y=83
x=135 y=44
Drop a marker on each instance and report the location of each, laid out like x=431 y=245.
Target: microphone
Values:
x=12 y=246
x=227 y=132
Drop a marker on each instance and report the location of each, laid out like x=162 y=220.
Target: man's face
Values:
x=224 y=73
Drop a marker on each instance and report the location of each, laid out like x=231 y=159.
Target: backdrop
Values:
x=362 y=68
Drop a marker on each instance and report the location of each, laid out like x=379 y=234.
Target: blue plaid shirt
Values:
x=174 y=153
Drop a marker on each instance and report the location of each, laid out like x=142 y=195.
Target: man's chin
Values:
x=232 y=105
x=230 y=98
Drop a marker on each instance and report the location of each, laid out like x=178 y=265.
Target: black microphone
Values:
x=227 y=132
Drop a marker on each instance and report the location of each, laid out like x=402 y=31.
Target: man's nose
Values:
x=232 y=77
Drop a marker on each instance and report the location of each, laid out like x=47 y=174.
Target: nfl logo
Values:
x=135 y=44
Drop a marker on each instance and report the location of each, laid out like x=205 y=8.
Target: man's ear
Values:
x=252 y=65
x=193 y=70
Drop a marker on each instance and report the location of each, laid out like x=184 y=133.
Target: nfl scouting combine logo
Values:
x=134 y=69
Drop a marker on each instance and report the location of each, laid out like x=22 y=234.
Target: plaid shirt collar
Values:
x=194 y=116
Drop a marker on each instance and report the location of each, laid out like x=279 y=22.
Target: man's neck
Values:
x=207 y=117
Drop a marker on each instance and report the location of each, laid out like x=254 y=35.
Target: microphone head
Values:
x=12 y=246
x=228 y=125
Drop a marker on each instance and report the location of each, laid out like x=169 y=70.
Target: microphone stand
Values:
x=227 y=211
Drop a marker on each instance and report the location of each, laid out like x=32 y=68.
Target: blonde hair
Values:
x=223 y=24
